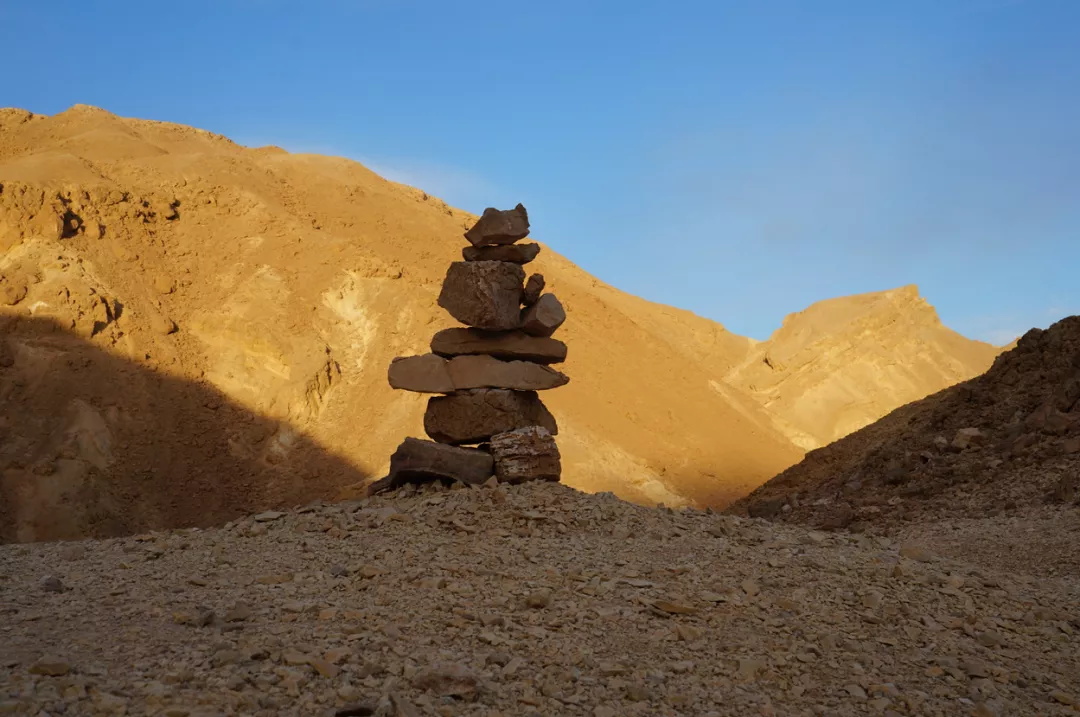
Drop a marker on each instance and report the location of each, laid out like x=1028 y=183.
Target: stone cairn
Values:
x=489 y=373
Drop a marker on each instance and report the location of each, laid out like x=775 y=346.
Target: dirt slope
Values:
x=843 y=363
x=291 y=282
x=1006 y=441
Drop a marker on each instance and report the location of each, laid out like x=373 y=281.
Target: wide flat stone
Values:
x=515 y=253
x=484 y=294
x=497 y=226
x=434 y=374
x=468 y=372
x=418 y=461
x=534 y=287
x=507 y=345
x=475 y=416
x=543 y=317
x=526 y=454
x=423 y=374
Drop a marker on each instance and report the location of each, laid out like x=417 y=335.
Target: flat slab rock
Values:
x=543 y=317
x=419 y=461
x=475 y=416
x=526 y=454
x=507 y=345
x=497 y=226
x=515 y=253
x=430 y=373
x=484 y=294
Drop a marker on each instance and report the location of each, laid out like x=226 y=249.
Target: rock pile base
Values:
x=488 y=374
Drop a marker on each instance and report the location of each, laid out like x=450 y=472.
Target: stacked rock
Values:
x=489 y=419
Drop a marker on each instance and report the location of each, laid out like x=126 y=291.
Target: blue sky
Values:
x=738 y=159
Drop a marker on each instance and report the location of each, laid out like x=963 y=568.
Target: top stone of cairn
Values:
x=499 y=226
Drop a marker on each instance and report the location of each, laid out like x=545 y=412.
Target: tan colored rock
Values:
x=543 y=317
x=966 y=438
x=508 y=345
x=416 y=461
x=476 y=416
x=534 y=287
x=484 y=294
x=514 y=253
x=434 y=374
x=423 y=374
x=496 y=226
x=526 y=454
x=450 y=679
x=468 y=372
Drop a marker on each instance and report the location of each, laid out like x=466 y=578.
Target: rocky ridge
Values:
x=525 y=600
x=843 y=363
x=1006 y=441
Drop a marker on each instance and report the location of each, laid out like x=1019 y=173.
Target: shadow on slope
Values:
x=94 y=445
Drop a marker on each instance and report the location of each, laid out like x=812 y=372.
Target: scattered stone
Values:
x=417 y=461
x=915 y=552
x=514 y=253
x=1064 y=698
x=50 y=667
x=499 y=226
x=526 y=454
x=484 y=294
x=509 y=346
x=544 y=317
x=239 y=613
x=448 y=679
x=965 y=438
x=52 y=584
x=267 y=516
x=475 y=416
x=73 y=551
x=538 y=599
x=675 y=608
x=534 y=288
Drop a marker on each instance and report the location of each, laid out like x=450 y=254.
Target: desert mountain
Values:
x=1006 y=440
x=281 y=286
x=194 y=329
x=843 y=363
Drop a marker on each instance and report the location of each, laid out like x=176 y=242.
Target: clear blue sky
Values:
x=739 y=159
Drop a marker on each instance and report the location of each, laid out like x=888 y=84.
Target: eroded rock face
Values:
x=484 y=294
x=526 y=454
x=507 y=345
x=515 y=253
x=543 y=317
x=476 y=416
x=434 y=374
x=499 y=226
x=534 y=287
x=418 y=461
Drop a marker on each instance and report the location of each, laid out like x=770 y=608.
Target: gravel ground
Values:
x=530 y=600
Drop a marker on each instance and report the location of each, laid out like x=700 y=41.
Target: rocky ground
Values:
x=530 y=600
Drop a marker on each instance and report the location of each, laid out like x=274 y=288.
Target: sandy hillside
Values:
x=253 y=299
x=527 y=600
x=1006 y=442
x=843 y=363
